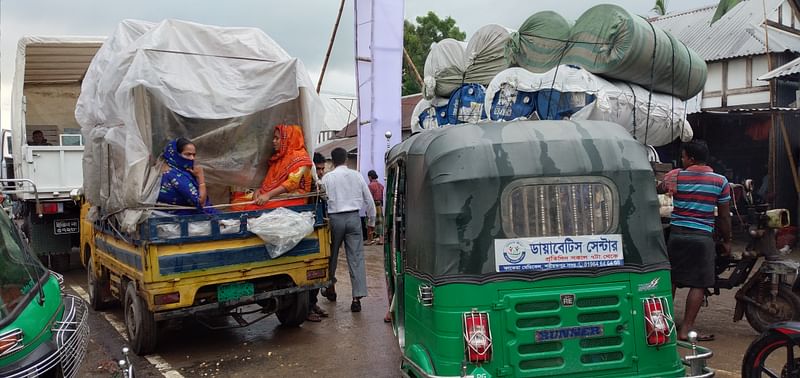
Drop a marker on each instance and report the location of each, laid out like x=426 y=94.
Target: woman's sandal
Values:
x=319 y=311
x=313 y=317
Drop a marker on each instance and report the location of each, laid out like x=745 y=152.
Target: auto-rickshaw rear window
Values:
x=559 y=207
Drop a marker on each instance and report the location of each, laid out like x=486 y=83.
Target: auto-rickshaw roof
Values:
x=455 y=178
x=527 y=148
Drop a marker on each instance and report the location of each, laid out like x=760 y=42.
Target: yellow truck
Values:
x=225 y=89
x=218 y=274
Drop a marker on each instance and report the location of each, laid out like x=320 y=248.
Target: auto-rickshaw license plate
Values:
x=234 y=291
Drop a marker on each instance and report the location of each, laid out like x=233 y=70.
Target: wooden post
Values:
x=788 y=147
x=413 y=67
x=330 y=46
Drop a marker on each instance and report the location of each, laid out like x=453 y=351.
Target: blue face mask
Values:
x=174 y=158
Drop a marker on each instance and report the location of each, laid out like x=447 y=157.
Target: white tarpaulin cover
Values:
x=617 y=102
x=223 y=88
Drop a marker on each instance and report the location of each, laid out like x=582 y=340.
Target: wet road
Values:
x=344 y=345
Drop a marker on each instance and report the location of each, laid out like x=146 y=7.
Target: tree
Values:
x=660 y=7
x=417 y=40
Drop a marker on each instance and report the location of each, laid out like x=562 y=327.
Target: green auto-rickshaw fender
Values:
x=419 y=356
x=36 y=320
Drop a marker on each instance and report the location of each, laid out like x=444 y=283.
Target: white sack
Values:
x=450 y=63
x=485 y=56
x=616 y=101
x=281 y=229
x=627 y=105
x=442 y=71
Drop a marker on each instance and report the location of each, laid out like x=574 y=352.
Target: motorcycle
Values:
x=766 y=296
x=773 y=353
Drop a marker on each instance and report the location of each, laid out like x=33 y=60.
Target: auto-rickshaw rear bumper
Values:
x=695 y=363
x=65 y=351
x=696 y=360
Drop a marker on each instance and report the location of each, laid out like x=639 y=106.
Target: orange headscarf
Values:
x=290 y=157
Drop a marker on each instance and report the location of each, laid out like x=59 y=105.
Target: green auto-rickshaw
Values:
x=529 y=248
x=43 y=331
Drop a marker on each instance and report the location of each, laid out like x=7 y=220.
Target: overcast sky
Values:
x=302 y=27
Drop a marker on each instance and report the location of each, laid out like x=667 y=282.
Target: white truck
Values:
x=47 y=167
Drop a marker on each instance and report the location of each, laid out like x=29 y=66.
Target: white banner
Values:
x=558 y=252
x=379 y=59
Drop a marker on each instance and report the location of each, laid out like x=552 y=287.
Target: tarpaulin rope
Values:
x=685 y=113
x=555 y=75
x=652 y=78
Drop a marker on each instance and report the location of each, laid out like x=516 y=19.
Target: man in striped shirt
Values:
x=697 y=192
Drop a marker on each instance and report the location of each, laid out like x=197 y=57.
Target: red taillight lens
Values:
x=658 y=321
x=52 y=208
x=477 y=336
x=10 y=342
x=162 y=299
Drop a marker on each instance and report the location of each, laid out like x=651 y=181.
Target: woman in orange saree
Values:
x=289 y=170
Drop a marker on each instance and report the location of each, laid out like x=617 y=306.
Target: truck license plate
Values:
x=234 y=291
x=65 y=226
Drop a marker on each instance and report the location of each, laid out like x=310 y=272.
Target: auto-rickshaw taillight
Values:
x=658 y=321
x=477 y=336
x=11 y=342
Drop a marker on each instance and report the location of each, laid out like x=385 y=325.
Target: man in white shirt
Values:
x=347 y=194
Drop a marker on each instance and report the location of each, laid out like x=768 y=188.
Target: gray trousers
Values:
x=346 y=227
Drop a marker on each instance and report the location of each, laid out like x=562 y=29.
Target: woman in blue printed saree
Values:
x=182 y=183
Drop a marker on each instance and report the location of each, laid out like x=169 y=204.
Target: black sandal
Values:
x=331 y=295
x=355 y=306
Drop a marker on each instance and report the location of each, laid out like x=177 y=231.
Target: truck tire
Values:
x=95 y=287
x=139 y=322
x=293 y=309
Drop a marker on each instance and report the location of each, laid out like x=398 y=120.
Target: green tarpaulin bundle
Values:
x=607 y=40
x=540 y=42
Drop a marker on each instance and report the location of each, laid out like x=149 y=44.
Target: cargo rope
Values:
x=652 y=78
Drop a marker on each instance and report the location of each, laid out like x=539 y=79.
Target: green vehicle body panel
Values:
x=434 y=335
x=453 y=190
x=36 y=321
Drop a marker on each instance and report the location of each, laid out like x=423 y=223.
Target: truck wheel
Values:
x=293 y=309
x=96 y=298
x=139 y=321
